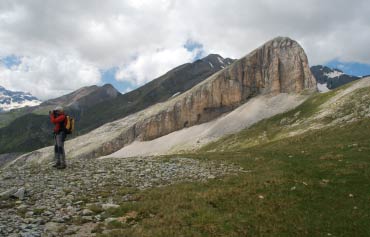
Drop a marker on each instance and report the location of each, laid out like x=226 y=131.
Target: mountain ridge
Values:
x=158 y=90
x=278 y=66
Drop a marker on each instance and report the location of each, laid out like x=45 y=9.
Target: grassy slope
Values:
x=36 y=130
x=313 y=184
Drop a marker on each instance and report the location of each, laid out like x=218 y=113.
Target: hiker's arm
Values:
x=58 y=119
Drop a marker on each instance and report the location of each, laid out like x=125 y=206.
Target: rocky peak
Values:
x=278 y=66
x=217 y=61
x=85 y=96
x=330 y=78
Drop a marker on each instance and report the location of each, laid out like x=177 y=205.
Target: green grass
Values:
x=314 y=184
x=270 y=129
x=8 y=117
x=279 y=126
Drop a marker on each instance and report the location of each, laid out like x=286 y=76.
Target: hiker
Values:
x=58 y=118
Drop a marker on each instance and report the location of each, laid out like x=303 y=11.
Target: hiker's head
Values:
x=58 y=109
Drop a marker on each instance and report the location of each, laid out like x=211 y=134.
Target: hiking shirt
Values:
x=58 y=120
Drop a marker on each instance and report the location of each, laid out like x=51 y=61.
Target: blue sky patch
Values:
x=350 y=68
x=191 y=45
x=108 y=76
x=10 y=61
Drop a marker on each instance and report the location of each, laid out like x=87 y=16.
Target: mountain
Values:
x=78 y=100
x=292 y=165
x=94 y=106
x=26 y=129
x=328 y=78
x=84 y=97
x=16 y=99
x=296 y=164
x=278 y=66
x=167 y=86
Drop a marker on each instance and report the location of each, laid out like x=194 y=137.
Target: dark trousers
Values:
x=59 y=154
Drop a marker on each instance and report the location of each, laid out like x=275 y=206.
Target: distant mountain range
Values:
x=16 y=99
x=328 y=78
x=29 y=128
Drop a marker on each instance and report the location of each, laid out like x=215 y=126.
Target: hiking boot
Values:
x=61 y=167
x=63 y=161
x=56 y=165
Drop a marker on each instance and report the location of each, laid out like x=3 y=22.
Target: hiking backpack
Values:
x=69 y=124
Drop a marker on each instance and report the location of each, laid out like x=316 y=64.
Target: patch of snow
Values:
x=251 y=112
x=222 y=67
x=322 y=87
x=334 y=74
x=176 y=94
x=17 y=105
x=210 y=64
x=220 y=60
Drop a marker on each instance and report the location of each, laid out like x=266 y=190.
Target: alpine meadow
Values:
x=197 y=118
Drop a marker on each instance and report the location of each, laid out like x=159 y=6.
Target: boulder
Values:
x=20 y=193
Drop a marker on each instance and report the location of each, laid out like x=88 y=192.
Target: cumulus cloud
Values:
x=150 y=65
x=67 y=43
x=50 y=76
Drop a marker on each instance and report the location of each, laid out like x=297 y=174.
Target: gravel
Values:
x=51 y=200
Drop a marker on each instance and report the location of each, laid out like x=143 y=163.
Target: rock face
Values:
x=279 y=66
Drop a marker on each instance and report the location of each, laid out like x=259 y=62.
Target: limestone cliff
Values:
x=279 y=66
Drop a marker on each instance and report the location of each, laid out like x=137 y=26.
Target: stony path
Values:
x=49 y=202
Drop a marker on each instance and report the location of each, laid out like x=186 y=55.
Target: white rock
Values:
x=87 y=212
x=110 y=220
x=106 y=206
x=20 y=193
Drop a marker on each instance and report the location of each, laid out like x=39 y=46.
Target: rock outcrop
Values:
x=279 y=66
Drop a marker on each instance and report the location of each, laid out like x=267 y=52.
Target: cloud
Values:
x=61 y=40
x=50 y=76
x=150 y=65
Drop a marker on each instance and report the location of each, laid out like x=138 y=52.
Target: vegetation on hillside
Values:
x=312 y=184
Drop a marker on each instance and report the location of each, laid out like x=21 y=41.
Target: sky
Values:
x=50 y=48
